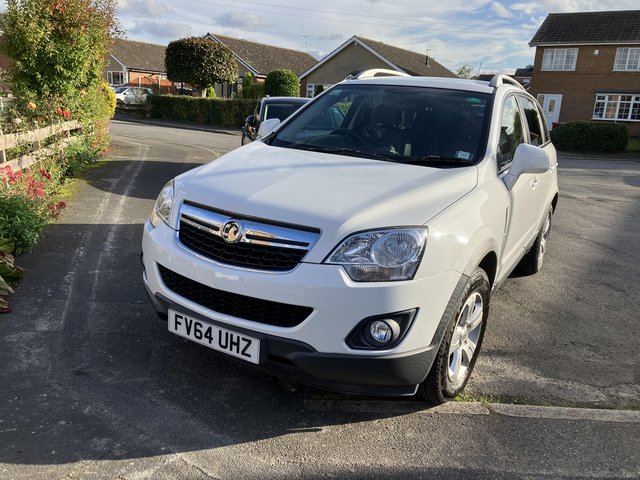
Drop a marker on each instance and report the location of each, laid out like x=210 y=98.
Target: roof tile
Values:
x=412 y=63
x=589 y=27
x=146 y=57
x=266 y=58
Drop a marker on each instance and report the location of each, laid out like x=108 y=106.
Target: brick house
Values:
x=524 y=75
x=358 y=54
x=259 y=59
x=587 y=66
x=137 y=63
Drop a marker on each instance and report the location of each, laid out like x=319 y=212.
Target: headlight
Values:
x=162 y=209
x=381 y=255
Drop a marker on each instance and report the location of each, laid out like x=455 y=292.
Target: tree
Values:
x=465 y=71
x=250 y=89
x=58 y=50
x=200 y=62
x=282 y=83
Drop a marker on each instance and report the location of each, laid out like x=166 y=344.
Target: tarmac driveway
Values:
x=93 y=386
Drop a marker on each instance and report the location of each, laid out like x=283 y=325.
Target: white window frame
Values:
x=555 y=59
x=627 y=60
x=118 y=72
x=311 y=90
x=617 y=107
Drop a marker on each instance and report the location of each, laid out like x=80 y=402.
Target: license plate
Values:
x=220 y=339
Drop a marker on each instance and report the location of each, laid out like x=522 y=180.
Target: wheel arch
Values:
x=554 y=202
x=485 y=256
x=489 y=264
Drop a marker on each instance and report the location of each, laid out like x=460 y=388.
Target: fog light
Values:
x=380 y=331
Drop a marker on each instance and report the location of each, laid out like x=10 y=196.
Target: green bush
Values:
x=587 y=136
x=282 y=83
x=21 y=221
x=210 y=111
x=253 y=91
x=77 y=156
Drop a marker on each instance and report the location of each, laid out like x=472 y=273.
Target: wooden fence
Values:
x=35 y=138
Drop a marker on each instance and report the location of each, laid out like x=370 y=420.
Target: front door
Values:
x=551 y=106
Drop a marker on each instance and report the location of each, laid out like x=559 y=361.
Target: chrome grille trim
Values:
x=254 y=232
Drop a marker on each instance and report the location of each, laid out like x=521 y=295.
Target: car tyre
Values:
x=532 y=262
x=461 y=344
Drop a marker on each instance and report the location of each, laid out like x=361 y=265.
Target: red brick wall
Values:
x=593 y=73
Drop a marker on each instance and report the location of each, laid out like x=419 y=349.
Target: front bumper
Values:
x=353 y=374
x=314 y=352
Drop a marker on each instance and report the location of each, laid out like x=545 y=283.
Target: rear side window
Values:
x=534 y=122
x=511 y=133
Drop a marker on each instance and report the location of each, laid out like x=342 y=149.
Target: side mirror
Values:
x=267 y=127
x=528 y=159
x=251 y=120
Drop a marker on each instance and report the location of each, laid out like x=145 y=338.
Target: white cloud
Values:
x=526 y=8
x=241 y=20
x=164 y=31
x=143 y=7
x=500 y=10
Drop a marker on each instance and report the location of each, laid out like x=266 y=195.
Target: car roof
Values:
x=433 y=82
x=286 y=99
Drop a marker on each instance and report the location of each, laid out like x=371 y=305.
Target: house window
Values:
x=311 y=88
x=115 y=78
x=562 y=59
x=617 y=107
x=627 y=59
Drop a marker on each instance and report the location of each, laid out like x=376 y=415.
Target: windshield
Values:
x=396 y=123
x=121 y=89
x=281 y=110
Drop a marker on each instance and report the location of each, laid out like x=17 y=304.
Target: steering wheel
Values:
x=347 y=133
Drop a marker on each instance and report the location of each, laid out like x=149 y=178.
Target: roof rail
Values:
x=501 y=79
x=377 y=72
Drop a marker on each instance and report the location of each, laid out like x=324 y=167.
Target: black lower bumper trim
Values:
x=353 y=374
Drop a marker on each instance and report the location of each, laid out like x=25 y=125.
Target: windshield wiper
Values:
x=353 y=152
x=436 y=161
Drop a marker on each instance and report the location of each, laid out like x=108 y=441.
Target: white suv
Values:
x=360 y=257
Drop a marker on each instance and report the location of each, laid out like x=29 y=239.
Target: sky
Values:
x=491 y=35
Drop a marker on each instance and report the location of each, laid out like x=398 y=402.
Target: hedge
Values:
x=210 y=111
x=587 y=136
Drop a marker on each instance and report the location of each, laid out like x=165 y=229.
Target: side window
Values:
x=534 y=123
x=545 y=129
x=511 y=132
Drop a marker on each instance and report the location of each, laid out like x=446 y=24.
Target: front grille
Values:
x=249 y=255
x=256 y=244
x=240 y=306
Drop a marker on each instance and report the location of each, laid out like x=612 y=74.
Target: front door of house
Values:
x=551 y=106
